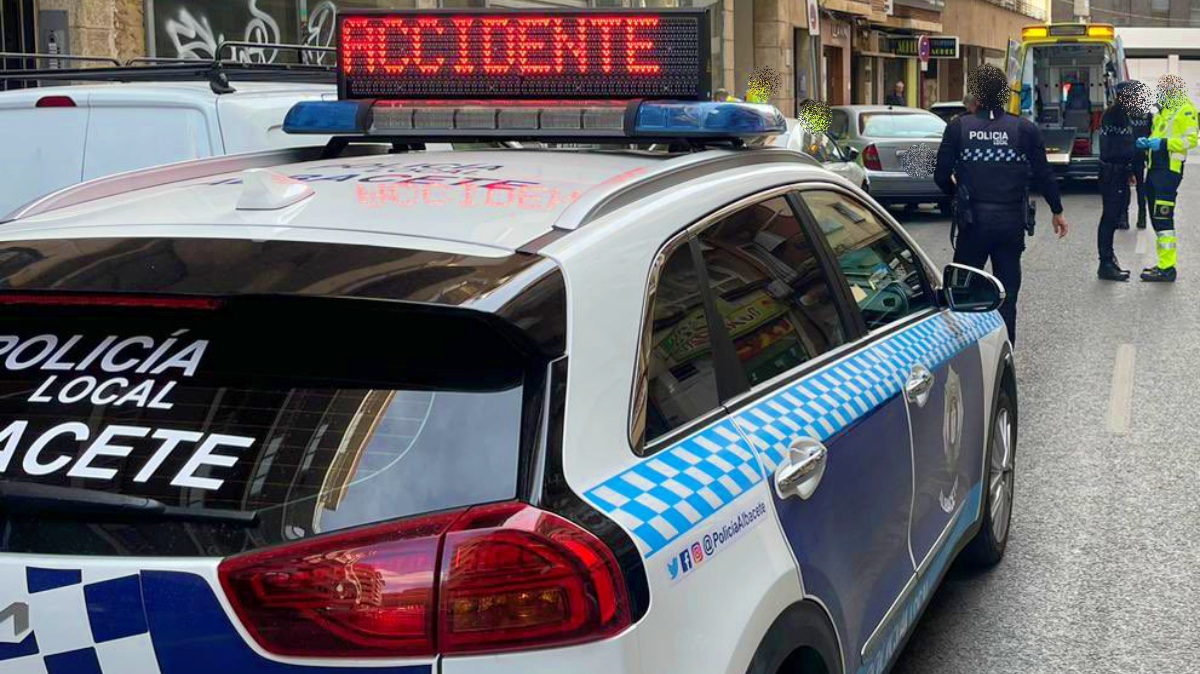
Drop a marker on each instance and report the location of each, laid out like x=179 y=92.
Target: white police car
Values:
x=505 y=411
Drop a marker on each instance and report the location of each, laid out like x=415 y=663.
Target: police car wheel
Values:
x=987 y=548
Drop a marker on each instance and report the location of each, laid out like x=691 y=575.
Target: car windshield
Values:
x=900 y=125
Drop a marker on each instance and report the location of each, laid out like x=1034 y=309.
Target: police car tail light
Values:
x=494 y=578
x=515 y=577
x=368 y=593
x=1082 y=146
x=870 y=157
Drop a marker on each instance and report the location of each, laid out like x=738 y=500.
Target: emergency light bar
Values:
x=515 y=54
x=560 y=75
x=1097 y=30
x=419 y=121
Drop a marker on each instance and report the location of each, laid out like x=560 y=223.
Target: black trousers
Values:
x=1114 y=193
x=1139 y=174
x=998 y=236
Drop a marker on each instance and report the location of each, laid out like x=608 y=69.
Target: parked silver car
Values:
x=824 y=149
x=881 y=134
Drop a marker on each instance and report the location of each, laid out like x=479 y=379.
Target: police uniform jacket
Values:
x=998 y=159
x=1117 y=137
x=1142 y=123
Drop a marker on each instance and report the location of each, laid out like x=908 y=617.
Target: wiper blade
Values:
x=50 y=499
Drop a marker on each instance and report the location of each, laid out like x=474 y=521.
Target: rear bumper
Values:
x=618 y=655
x=1077 y=168
x=899 y=186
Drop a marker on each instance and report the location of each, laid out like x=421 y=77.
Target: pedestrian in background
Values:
x=1142 y=119
x=970 y=103
x=987 y=162
x=1173 y=134
x=722 y=95
x=897 y=95
x=1117 y=153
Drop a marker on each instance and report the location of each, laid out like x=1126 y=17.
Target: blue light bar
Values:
x=708 y=119
x=612 y=121
x=327 y=117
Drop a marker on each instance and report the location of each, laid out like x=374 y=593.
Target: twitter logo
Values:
x=673 y=568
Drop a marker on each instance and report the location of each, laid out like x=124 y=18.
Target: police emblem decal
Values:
x=952 y=430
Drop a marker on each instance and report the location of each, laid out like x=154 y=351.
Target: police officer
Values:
x=1116 y=175
x=1174 y=133
x=1137 y=95
x=971 y=106
x=987 y=162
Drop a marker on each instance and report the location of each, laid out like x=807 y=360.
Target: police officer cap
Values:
x=1122 y=86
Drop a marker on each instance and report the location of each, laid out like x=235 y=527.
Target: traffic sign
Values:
x=814 y=18
x=923 y=51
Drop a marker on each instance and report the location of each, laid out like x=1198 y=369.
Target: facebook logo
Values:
x=685 y=560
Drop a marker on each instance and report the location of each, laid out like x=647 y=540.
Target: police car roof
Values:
x=492 y=200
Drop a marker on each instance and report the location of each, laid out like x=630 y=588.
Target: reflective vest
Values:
x=1178 y=126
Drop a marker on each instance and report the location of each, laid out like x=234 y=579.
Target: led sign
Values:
x=547 y=55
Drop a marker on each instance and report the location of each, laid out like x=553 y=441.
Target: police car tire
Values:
x=985 y=549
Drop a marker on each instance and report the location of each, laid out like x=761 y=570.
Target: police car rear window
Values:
x=900 y=125
x=201 y=428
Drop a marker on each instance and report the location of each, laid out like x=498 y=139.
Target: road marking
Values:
x=1143 y=241
x=1121 y=401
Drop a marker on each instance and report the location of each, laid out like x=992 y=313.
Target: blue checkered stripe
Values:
x=823 y=404
x=992 y=154
x=86 y=621
x=665 y=496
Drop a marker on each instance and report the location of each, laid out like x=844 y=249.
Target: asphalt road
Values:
x=1103 y=568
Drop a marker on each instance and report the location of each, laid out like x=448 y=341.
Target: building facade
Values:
x=863 y=48
x=1141 y=13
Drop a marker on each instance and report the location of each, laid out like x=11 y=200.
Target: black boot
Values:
x=1110 y=270
x=1141 y=220
x=1157 y=275
x=1124 y=222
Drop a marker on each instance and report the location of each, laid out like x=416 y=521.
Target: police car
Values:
x=703 y=409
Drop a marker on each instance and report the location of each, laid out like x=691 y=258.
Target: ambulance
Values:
x=1063 y=76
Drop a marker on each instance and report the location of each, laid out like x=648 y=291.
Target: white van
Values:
x=58 y=136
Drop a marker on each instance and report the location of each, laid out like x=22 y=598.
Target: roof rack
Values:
x=217 y=72
x=6 y=55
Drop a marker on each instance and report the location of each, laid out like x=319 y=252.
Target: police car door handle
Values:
x=801 y=472
x=918 y=386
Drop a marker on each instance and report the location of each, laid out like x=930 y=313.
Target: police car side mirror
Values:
x=971 y=290
x=851 y=153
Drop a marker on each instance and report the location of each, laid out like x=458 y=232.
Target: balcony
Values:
x=1033 y=10
x=855 y=7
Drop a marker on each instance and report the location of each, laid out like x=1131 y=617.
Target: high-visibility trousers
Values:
x=1162 y=187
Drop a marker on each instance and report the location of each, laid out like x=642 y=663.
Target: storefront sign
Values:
x=940 y=46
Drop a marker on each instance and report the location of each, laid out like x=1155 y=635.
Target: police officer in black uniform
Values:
x=987 y=162
x=1137 y=106
x=1116 y=176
